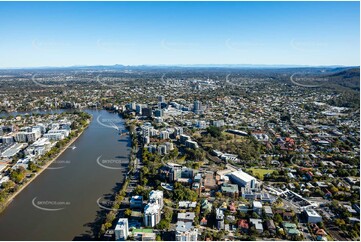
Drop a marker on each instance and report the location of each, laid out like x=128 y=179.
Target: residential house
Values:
x=257 y=223
x=270 y=225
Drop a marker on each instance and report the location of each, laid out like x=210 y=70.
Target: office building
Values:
x=121 y=230
x=32 y=136
x=161 y=99
x=177 y=131
x=158 y=113
x=243 y=179
x=146 y=140
x=162 y=149
x=164 y=135
x=197 y=107
x=184 y=138
x=138 y=109
x=147 y=112
x=152 y=148
x=7 y=139
x=201 y=124
x=218 y=123
x=169 y=146
x=54 y=136
x=191 y=144
x=42 y=128
x=65 y=132
x=156 y=196
x=151 y=214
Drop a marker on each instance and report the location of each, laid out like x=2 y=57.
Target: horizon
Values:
x=53 y=34
x=243 y=66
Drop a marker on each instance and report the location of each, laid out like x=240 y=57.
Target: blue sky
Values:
x=133 y=33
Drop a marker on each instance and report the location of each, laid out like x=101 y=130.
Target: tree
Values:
x=163 y=224
x=197 y=210
x=110 y=217
x=32 y=166
x=334 y=190
x=278 y=218
x=167 y=214
x=144 y=181
x=8 y=185
x=255 y=215
x=214 y=131
x=253 y=231
x=145 y=170
x=182 y=193
x=103 y=229
x=220 y=235
x=18 y=175
x=320 y=225
x=339 y=222
x=107 y=225
x=281 y=232
x=128 y=212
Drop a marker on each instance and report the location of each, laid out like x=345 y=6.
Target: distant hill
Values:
x=348 y=73
x=349 y=78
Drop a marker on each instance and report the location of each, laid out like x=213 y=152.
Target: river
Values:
x=61 y=203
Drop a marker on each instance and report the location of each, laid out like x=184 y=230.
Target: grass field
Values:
x=260 y=172
x=234 y=137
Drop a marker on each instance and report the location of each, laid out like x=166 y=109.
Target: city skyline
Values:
x=179 y=33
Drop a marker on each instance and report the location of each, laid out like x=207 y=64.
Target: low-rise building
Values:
x=290 y=229
x=268 y=211
x=186 y=217
x=136 y=202
x=257 y=207
x=209 y=182
x=312 y=216
x=220 y=218
x=185 y=232
x=257 y=223
x=143 y=234
x=270 y=226
x=187 y=204
x=230 y=190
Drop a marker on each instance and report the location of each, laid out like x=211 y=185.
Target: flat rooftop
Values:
x=243 y=176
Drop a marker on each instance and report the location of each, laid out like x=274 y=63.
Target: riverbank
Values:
x=109 y=218
x=42 y=168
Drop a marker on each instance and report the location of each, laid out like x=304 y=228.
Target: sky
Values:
x=34 y=34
